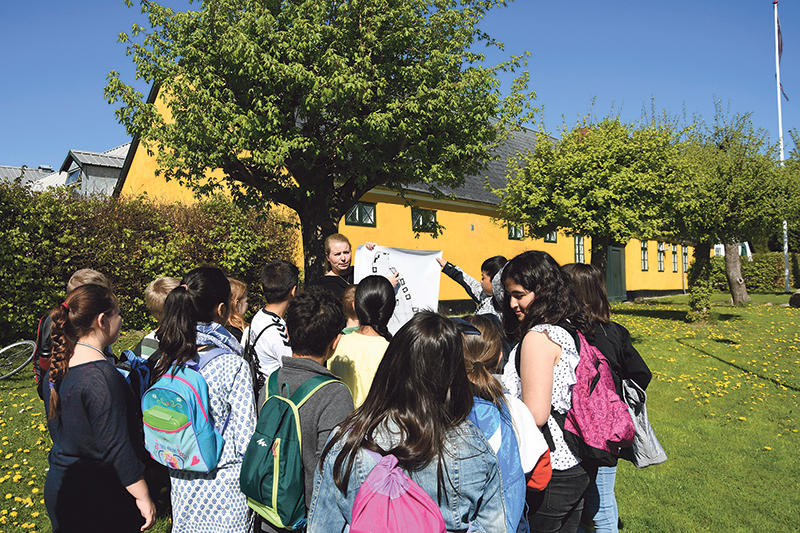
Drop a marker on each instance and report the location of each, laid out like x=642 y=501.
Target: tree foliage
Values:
x=730 y=191
x=604 y=179
x=311 y=104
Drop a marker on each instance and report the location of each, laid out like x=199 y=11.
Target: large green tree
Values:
x=604 y=179
x=311 y=104
x=729 y=191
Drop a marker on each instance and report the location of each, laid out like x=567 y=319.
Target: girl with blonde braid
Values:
x=95 y=482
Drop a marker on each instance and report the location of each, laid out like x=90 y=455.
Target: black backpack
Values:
x=249 y=354
x=42 y=351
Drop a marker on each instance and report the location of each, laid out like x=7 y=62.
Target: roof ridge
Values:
x=104 y=154
x=116 y=148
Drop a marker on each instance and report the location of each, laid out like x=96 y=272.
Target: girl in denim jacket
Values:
x=416 y=410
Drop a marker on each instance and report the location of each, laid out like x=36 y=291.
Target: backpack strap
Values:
x=307 y=389
x=248 y=344
x=204 y=357
x=272 y=384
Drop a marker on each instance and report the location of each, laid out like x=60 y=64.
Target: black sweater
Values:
x=335 y=284
x=97 y=451
x=614 y=342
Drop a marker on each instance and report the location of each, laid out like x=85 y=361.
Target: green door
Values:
x=615 y=274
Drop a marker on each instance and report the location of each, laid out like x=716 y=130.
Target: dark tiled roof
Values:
x=474 y=187
x=29 y=175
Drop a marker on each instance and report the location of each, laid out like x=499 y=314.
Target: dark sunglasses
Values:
x=465 y=327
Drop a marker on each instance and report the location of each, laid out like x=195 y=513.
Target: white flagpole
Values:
x=780 y=142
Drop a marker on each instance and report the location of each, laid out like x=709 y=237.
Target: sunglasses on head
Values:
x=465 y=327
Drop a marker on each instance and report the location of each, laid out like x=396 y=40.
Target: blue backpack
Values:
x=498 y=428
x=136 y=372
x=178 y=429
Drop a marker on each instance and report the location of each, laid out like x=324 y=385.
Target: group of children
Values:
x=461 y=414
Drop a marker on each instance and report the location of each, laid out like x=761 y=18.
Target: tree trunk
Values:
x=700 y=283
x=733 y=269
x=600 y=253
x=315 y=225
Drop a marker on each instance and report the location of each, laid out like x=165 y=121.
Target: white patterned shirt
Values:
x=563 y=380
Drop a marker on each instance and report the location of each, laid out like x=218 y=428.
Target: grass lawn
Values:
x=723 y=401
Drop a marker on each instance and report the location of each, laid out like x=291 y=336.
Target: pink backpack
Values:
x=598 y=415
x=390 y=501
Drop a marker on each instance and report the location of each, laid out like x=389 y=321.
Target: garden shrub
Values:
x=45 y=237
x=763 y=274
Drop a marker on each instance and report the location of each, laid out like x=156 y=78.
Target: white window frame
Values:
x=360 y=214
x=580 y=251
x=645 y=258
x=516 y=232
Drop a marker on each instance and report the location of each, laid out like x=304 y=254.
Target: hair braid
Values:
x=63 y=342
x=70 y=321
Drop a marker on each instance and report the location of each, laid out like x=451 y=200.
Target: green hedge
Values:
x=45 y=237
x=765 y=273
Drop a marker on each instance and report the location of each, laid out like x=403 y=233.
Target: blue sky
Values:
x=680 y=53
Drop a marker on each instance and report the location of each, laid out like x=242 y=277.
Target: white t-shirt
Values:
x=529 y=437
x=273 y=344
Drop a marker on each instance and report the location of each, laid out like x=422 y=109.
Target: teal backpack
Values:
x=178 y=429
x=272 y=469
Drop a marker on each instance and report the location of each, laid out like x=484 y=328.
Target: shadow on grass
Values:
x=672 y=314
x=663 y=314
x=734 y=365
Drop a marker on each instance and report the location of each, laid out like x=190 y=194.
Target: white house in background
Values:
x=56 y=179
x=744 y=250
x=87 y=172
x=26 y=175
x=92 y=172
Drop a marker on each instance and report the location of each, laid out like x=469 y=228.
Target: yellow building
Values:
x=470 y=234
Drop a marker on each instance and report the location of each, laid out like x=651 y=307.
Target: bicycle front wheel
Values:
x=14 y=357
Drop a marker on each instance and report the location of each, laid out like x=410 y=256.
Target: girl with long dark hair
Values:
x=541 y=312
x=358 y=354
x=193 y=316
x=95 y=482
x=614 y=341
x=416 y=410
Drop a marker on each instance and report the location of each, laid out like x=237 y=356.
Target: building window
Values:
x=516 y=232
x=685 y=258
x=661 y=255
x=362 y=214
x=645 y=262
x=551 y=236
x=73 y=177
x=579 y=252
x=674 y=257
x=423 y=220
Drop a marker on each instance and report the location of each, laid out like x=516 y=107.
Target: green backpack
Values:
x=272 y=469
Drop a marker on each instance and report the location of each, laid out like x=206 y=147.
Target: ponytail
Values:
x=383 y=330
x=71 y=320
x=194 y=300
x=374 y=303
x=177 y=338
x=481 y=357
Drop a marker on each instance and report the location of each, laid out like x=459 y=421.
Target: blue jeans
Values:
x=600 y=504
